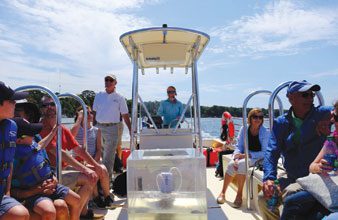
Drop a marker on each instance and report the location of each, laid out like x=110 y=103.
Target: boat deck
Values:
x=215 y=211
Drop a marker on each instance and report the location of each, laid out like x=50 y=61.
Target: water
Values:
x=174 y=206
x=211 y=127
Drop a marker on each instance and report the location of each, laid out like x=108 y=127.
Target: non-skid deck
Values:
x=215 y=211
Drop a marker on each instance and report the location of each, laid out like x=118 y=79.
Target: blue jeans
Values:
x=302 y=205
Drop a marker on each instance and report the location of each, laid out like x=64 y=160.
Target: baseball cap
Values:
x=302 y=86
x=6 y=93
x=26 y=128
x=110 y=76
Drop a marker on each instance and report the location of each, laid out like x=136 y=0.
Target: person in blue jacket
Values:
x=9 y=207
x=298 y=136
x=171 y=109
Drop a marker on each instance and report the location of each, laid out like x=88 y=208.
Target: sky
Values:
x=69 y=46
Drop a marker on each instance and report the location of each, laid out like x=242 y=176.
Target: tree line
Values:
x=69 y=106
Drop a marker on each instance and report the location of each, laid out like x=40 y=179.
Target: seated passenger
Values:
x=31 y=168
x=298 y=135
x=300 y=204
x=258 y=137
x=171 y=109
x=74 y=175
x=94 y=148
x=227 y=135
x=9 y=207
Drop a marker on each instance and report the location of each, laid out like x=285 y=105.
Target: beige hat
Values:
x=110 y=76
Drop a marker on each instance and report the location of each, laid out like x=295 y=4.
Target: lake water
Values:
x=211 y=127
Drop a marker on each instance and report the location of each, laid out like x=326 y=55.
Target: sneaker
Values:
x=109 y=202
x=99 y=202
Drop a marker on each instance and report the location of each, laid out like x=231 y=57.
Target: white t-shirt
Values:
x=108 y=107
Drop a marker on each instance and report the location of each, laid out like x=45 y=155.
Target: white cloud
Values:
x=78 y=38
x=283 y=27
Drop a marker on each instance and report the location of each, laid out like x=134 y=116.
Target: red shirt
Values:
x=68 y=143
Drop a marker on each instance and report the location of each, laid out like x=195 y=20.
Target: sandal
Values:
x=221 y=199
x=237 y=203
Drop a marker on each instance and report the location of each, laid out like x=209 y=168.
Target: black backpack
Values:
x=120 y=184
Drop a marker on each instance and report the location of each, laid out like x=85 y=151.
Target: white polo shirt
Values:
x=108 y=107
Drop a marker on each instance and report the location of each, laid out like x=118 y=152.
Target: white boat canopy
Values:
x=164 y=46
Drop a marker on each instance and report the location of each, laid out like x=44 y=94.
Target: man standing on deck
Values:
x=297 y=135
x=107 y=108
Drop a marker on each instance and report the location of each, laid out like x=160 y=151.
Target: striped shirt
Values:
x=91 y=139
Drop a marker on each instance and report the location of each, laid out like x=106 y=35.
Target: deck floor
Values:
x=215 y=211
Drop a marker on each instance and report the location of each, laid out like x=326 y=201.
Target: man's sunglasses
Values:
x=258 y=117
x=308 y=94
x=45 y=105
x=171 y=92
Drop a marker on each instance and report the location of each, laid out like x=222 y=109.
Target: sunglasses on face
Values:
x=24 y=136
x=258 y=117
x=171 y=92
x=308 y=94
x=45 y=105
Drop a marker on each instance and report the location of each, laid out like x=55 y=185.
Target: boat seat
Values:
x=165 y=139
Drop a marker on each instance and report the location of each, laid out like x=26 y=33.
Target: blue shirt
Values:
x=263 y=136
x=298 y=155
x=170 y=111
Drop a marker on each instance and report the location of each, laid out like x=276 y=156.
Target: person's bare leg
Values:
x=104 y=181
x=119 y=151
x=61 y=208
x=73 y=201
x=240 y=182
x=45 y=209
x=85 y=191
x=227 y=180
x=18 y=212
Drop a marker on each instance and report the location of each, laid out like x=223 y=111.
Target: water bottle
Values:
x=274 y=200
x=330 y=148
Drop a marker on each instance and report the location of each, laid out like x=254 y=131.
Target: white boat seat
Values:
x=165 y=139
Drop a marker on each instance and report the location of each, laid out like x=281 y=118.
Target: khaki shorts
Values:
x=69 y=178
x=120 y=133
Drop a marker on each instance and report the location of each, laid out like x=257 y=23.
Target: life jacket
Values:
x=8 y=131
x=31 y=166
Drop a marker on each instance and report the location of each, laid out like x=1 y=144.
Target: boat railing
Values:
x=85 y=118
x=58 y=124
x=246 y=142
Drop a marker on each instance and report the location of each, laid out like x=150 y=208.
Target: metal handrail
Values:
x=182 y=115
x=245 y=136
x=58 y=123
x=147 y=112
x=85 y=114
